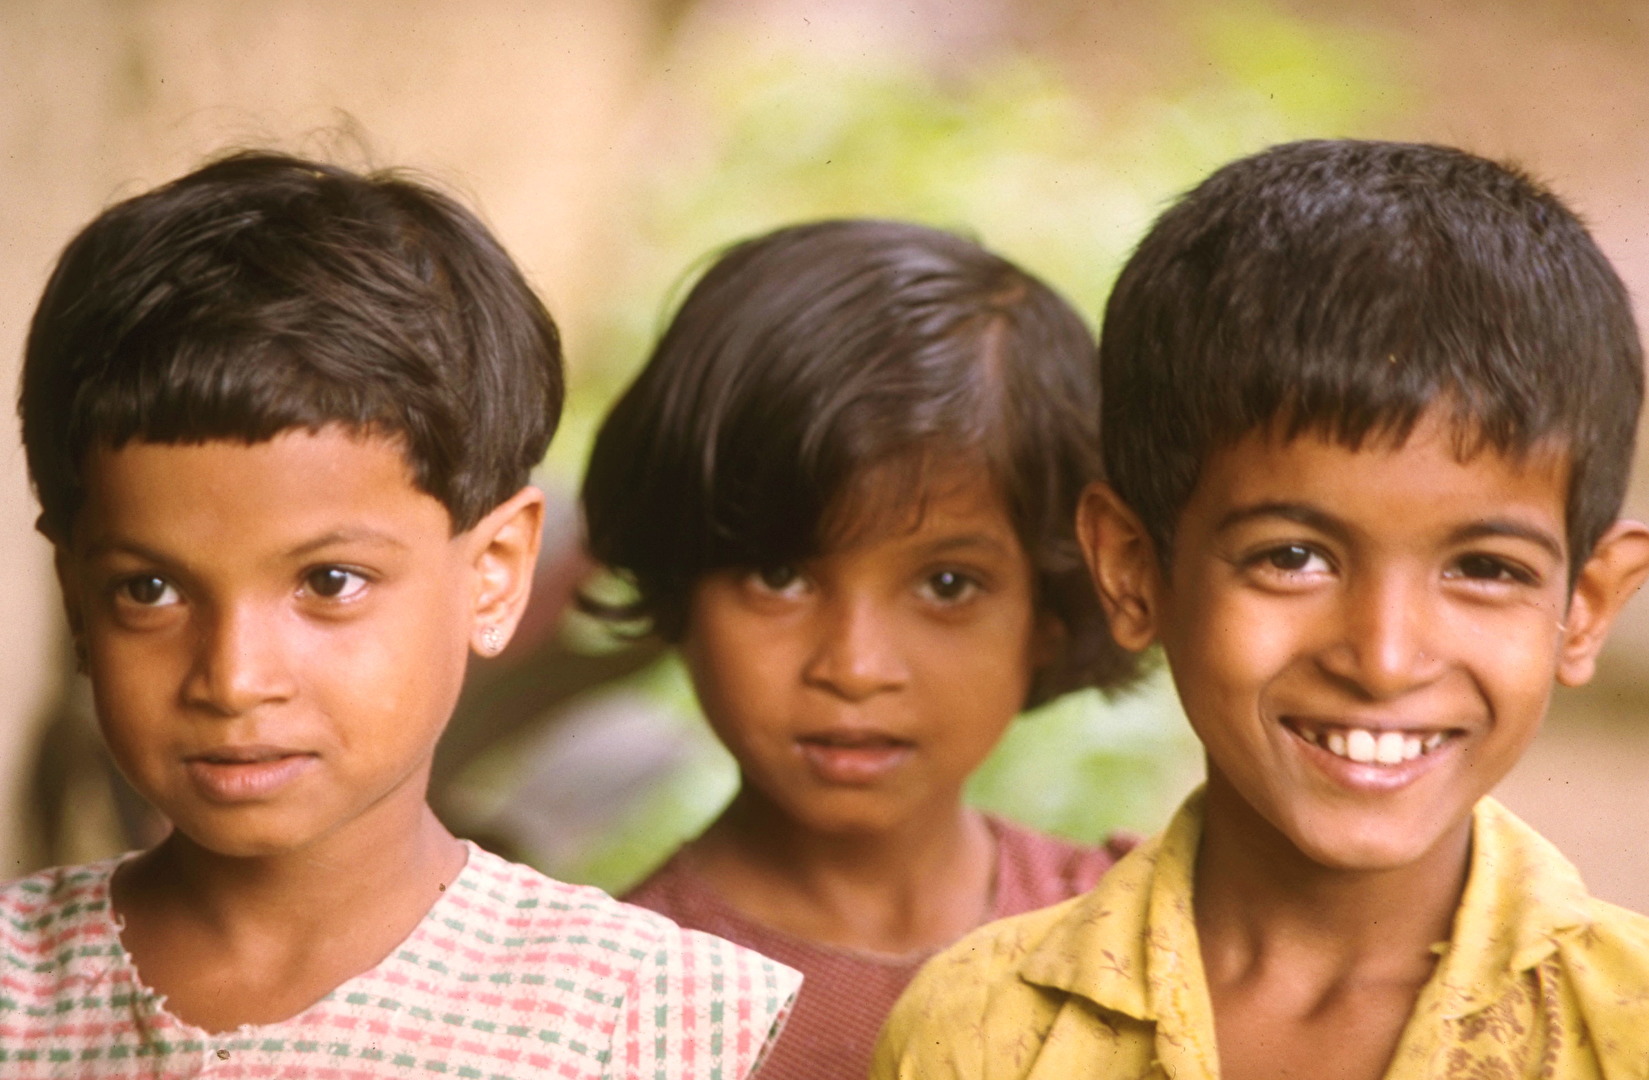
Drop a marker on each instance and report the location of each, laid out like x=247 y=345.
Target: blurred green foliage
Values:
x=735 y=139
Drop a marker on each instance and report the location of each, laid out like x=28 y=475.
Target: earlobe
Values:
x=1618 y=566
x=1122 y=561
x=506 y=551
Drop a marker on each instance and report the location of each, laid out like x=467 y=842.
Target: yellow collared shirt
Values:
x=1538 y=980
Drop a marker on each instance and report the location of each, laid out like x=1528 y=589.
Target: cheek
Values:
x=738 y=675
x=1233 y=646
x=982 y=671
x=388 y=680
x=136 y=680
x=1514 y=663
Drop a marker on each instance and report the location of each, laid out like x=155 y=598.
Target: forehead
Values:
x=224 y=496
x=1437 y=465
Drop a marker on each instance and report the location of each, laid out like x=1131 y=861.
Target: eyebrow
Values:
x=1303 y=513
x=1478 y=530
x=347 y=536
x=308 y=547
x=966 y=541
x=1311 y=517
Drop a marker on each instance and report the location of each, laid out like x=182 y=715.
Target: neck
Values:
x=255 y=939
x=396 y=871
x=912 y=886
x=1260 y=901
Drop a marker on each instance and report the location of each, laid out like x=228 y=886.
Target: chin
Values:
x=848 y=817
x=242 y=843
x=1379 y=847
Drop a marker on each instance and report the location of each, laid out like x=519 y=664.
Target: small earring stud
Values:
x=492 y=640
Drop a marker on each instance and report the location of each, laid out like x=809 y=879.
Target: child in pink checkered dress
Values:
x=280 y=417
x=845 y=486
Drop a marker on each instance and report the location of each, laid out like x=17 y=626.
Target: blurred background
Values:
x=613 y=143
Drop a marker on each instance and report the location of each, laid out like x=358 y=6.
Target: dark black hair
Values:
x=807 y=357
x=1344 y=288
x=263 y=293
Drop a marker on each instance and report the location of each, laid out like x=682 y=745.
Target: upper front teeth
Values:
x=1368 y=748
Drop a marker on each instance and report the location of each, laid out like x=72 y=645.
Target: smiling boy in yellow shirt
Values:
x=1368 y=414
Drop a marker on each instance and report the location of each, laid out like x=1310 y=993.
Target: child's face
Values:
x=1365 y=641
x=276 y=632
x=860 y=689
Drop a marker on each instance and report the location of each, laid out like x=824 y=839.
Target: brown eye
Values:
x=1291 y=557
x=334 y=582
x=778 y=579
x=149 y=590
x=1491 y=568
x=950 y=586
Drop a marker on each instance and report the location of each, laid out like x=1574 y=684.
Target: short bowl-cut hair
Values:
x=263 y=293
x=1343 y=288
x=807 y=357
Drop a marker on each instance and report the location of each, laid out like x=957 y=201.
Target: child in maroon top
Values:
x=845 y=486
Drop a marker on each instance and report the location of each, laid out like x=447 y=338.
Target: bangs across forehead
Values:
x=891 y=497
x=1468 y=436
x=803 y=477
x=249 y=391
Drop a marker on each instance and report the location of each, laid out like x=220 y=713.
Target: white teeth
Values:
x=1374 y=748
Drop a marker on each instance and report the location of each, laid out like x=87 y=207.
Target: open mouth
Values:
x=1367 y=746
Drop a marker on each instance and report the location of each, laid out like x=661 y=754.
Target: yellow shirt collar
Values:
x=1130 y=945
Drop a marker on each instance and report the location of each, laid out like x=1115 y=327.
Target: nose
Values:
x=1386 y=640
x=239 y=661
x=855 y=654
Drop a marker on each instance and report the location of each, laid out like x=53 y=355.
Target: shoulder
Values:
x=1608 y=956
x=496 y=889
x=1523 y=890
x=57 y=942
x=53 y=906
x=687 y=1004
x=532 y=910
x=1035 y=869
x=669 y=890
x=972 y=1000
x=1028 y=991
x=1605 y=964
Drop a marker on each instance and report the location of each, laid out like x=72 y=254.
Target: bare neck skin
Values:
x=1313 y=971
x=914 y=887
x=256 y=940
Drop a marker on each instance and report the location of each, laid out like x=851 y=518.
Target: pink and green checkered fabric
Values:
x=510 y=974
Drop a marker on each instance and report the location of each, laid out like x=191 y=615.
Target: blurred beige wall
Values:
x=531 y=108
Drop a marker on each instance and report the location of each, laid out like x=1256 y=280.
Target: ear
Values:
x=68 y=587
x=504 y=551
x=1618 y=565
x=1122 y=560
